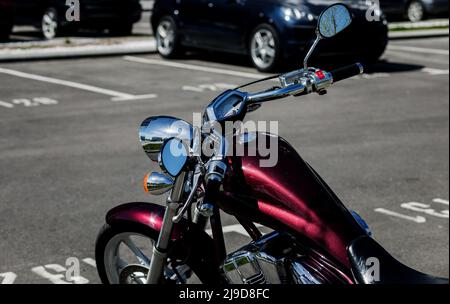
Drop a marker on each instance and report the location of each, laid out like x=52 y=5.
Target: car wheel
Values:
x=415 y=11
x=264 y=45
x=50 y=23
x=167 y=38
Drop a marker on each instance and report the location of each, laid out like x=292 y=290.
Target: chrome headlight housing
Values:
x=156 y=130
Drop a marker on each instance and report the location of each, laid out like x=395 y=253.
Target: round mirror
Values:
x=173 y=156
x=333 y=20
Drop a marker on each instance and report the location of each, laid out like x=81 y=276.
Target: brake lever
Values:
x=198 y=173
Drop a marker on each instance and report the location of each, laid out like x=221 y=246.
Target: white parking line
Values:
x=418 y=219
x=90 y=261
x=414 y=49
x=435 y=71
x=193 y=67
x=116 y=96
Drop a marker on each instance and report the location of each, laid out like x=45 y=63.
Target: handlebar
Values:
x=347 y=72
x=302 y=82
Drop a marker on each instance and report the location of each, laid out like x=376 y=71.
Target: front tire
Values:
x=167 y=38
x=130 y=263
x=264 y=48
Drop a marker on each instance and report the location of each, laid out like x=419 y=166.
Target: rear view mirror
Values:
x=333 y=20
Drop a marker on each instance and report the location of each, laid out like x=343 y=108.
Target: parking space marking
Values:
x=7 y=277
x=419 y=208
x=435 y=71
x=414 y=49
x=116 y=96
x=193 y=67
x=416 y=58
x=418 y=219
x=6 y=105
x=90 y=261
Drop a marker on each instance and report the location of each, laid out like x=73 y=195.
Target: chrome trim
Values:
x=311 y=50
x=154 y=131
x=158 y=183
x=302 y=275
x=294 y=89
x=160 y=250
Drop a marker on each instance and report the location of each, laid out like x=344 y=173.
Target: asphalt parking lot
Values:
x=69 y=149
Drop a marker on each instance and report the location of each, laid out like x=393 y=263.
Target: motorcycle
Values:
x=315 y=238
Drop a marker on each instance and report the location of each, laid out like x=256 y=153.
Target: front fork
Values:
x=159 y=255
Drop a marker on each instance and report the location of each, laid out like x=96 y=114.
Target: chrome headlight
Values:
x=154 y=131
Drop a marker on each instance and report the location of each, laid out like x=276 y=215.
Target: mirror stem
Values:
x=311 y=50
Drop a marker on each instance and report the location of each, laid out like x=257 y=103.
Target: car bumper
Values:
x=435 y=6
x=359 y=39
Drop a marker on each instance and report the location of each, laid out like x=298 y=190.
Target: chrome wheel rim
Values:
x=165 y=37
x=49 y=25
x=415 y=11
x=263 y=49
x=127 y=249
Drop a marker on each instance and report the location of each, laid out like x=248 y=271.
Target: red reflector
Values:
x=320 y=75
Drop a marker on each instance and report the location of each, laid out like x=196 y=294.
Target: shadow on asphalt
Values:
x=392 y=67
x=328 y=63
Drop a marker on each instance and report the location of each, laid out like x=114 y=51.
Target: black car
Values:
x=6 y=20
x=118 y=16
x=413 y=10
x=269 y=31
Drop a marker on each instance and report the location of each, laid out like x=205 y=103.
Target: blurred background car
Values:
x=6 y=21
x=117 y=16
x=413 y=10
x=270 y=32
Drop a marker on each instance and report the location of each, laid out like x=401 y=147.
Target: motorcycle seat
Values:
x=372 y=264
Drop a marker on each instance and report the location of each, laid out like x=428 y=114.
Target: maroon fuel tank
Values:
x=290 y=194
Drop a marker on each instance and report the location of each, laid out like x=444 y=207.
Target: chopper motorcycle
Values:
x=315 y=238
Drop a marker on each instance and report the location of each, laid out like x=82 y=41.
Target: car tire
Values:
x=50 y=26
x=415 y=11
x=265 y=48
x=167 y=38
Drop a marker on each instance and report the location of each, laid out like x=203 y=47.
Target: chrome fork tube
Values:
x=160 y=250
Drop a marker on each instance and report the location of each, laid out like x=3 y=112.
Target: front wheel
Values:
x=123 y=254
x=264 y=48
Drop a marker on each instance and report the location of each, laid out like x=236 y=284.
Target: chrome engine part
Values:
x=270 y=260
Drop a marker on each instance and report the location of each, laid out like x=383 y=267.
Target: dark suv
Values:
x=269 y=31
x=6 y=20
x=118 y=16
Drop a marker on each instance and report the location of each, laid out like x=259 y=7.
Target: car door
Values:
x=28 y=12
x=227 y=23
x=212 y=24
x=393 y=7
x=193 y=22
